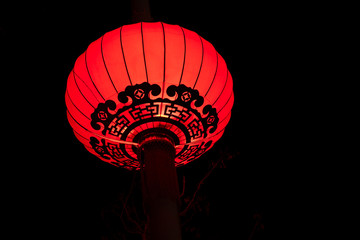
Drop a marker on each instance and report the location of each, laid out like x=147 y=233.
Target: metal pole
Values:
x=159 y=178
x=140 y=11
x=160 y=188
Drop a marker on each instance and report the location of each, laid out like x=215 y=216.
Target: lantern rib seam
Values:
x=227 y=75
x=87 y=68
x=228 y=115
x=75 y=105
x=225 y=118
x=123 y=54
x=81 y=91
x=182 y=71
x=77 y=121
x=223 y=129
x=163 y=83
x=81 y=135
x=107 y=71
x=143 y=50
x=202 y=60
x=217 y=64
x=162 y=25
x=232 y=93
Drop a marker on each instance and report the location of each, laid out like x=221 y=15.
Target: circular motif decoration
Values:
x=186 y=96
x=131 y=120
x=149 y=77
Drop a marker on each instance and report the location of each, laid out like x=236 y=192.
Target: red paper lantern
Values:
x=149 y=77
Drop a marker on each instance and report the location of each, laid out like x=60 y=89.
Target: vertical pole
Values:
x=140 y=11
x=160 y=189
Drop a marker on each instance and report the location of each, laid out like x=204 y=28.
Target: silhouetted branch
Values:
x=198 y=187
x=257 y=226
x=140 y=230
x=130 y=191
x=183 y=187
x=213 y=166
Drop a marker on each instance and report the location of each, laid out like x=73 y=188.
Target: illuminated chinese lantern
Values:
x=149 y=77
x=150 y=96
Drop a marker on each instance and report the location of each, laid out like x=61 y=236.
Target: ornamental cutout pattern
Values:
x=182 y=114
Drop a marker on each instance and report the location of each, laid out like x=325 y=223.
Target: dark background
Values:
x=67 y=188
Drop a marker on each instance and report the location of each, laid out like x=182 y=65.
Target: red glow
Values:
x=146 y=56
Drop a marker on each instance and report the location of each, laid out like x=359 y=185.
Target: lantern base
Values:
x=156 y=134
x=160 y=186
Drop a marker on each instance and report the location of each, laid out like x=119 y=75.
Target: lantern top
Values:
x=148 y=77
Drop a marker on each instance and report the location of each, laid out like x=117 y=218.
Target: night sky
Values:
x=71 y=190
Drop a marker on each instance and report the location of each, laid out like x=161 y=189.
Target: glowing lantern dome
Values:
x=149 y=77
